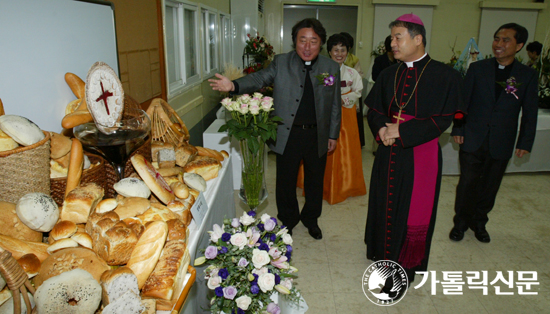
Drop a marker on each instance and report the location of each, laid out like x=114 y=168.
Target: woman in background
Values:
x=344 y=169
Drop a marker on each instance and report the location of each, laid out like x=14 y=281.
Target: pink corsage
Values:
x=510 y=86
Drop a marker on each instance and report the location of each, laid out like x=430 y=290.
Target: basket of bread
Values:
x=24 y=157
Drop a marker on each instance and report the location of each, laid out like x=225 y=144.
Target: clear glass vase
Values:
x=253 y=188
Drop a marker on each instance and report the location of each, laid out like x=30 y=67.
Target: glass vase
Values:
x=253 y=188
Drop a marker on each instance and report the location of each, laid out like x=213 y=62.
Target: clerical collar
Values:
x=410 y=64
x=309 y=64
x=502 y=67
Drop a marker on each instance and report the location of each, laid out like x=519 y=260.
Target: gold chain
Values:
x=415 y=85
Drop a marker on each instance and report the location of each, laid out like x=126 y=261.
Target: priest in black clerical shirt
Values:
x=410 y=105
x=496 y=90
x=310 y=110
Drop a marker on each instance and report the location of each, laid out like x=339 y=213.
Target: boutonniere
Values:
x=510 y=86
x=326 y=79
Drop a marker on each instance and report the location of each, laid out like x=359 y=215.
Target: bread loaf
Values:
x=132 y=207
x=132 y=187
x=185 y=153
x=128 y=303
x=95 y=218
x=136 y=225
x=13 y=226
x=168 y=172
x=76 y=84
x=75 y=119
x=176 y=230
x=60 y=145
x=150 y=306
x=157 y=212
x=80 y=202
x=161 y=284
x=166 y=158
x=18 y=248
x=68 y=259
x=75 y=166
x=207 y=168
x=38 y=211
x=114 y=245
x=158 y=145
x=147 y=251
x=194 y=181
x=115 y=282
x=153 y=179
x=208 y=152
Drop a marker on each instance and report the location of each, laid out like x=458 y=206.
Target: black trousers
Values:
x=480 y=178
x=301 y=145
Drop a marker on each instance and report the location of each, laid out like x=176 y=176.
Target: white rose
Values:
x=282 y=232
x=287 y=239
x=243 y=302
x=265 y=217
x=239 y=239
x=260 y=271
x=235 y=105
x=257 y=95
x=243 y=108
x=254 y=109
x=214 y=282
x=245 y=98
x=287 y=283
x=226 y=102
x=267 y=103
x=260 y=258
x=266 y=282
x=246 y=219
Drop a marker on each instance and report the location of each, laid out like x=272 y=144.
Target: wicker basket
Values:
x=96 y=175
x=166 y=125
x=25 y=170
x=17 y=281
x=110 y=175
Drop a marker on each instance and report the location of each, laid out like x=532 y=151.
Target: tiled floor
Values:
x=330 y=270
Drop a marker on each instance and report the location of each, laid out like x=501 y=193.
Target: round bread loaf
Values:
x=195 y=181
x=68 y=259
x=30 y=264
x=132 y=187
x=38 y=211
x=75 y=291
x=21 y=129
x=63 y=229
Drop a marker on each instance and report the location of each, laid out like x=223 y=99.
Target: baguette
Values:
x=75 y=119
x=75 y=166
x=76 y=84
x=153 y=179
x=147 y=251
x=18 y=248
x=208 y=152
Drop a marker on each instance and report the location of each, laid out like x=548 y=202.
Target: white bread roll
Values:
x=38 y=211
x=57 y=294
x=30 y=264
x=153 y=179
x=147 y=251
x=116 y=282
x=62 y=244
x=128 y=303
x=68 y=259
x=80 y=202
x=161 y=284
x=132 y=187
x=18 y=248
x=21 y=129
x=132 y=207
x=63 y=229
x=6 y=142
x=106 y=205
x=195 y=181
x=83 y=239
x=13 y=226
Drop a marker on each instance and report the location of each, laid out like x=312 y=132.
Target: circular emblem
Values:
x=385 y=283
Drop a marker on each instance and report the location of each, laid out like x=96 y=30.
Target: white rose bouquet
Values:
x=248 y=262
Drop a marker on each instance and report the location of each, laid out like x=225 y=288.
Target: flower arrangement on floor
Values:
x=253 y=125
x=248 y=261
x=543 y=68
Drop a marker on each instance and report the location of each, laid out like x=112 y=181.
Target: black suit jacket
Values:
x=498 y=118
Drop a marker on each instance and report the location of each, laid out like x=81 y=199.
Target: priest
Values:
x=410 y=105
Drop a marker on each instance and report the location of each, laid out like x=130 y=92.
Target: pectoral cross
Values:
x=104 y=96
x=398 y=117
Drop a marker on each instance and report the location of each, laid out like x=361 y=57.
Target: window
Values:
x=210 y=41
x=182 y=55
x=226 y=32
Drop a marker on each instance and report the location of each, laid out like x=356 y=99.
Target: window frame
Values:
x=226 y=57
x=207 y=69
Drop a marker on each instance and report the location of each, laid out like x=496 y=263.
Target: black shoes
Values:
x=315 y=232
x=456 y=234
x=482 y=235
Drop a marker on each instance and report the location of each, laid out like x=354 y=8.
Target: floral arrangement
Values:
x=253 y=125
x=510 y=86
x=543 y=68
x=379 y=50
x=326 y=79
x=259 y=48
x=248 y=261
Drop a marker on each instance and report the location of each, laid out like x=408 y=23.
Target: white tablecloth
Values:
x=537 y=160
x=219 y=196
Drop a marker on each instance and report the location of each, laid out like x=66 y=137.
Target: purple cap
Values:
x=410 y=18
